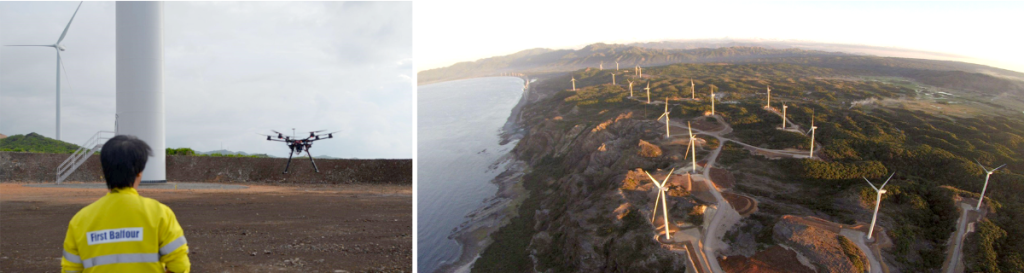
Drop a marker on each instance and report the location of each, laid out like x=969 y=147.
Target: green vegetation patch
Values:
x=36 y=143
x=853 y=253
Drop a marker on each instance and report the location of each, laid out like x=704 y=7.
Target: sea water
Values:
x=460 y=123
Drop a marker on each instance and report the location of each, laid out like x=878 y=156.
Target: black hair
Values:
x=123 y=157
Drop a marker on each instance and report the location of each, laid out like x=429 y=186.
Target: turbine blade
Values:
x=667 y=176
x=69 y=23
x=32 y=45
x=982 y=166
x=887 y=180
x=869 y=183
x=994 y=170
x=652 y=179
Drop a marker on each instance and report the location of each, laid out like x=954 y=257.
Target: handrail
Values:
x=81 y=154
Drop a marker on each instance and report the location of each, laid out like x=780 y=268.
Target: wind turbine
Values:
x=665 y=115
x=784 y=116
x=693 y=92
x=648 y=88
x=712 y=101
x=613 y=78
x=769 y=97
x=640 y=71
x=662 y=188
x=812 y=131
x=878 y=201
x=573 y=83
x=987 y=175
x=630 y=88
x=58 y=48
x=601 y=66
x=616 y=66
x=693 y=147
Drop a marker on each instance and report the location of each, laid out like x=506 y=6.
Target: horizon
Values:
x=975 y=36
x=226 y=149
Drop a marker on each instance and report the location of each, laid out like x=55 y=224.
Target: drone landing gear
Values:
x=311 y=161
x=289 y=163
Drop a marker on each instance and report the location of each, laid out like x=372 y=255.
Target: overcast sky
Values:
x=454 y=31
x=231 y=70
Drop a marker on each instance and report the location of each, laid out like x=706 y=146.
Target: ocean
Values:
x=460 y=123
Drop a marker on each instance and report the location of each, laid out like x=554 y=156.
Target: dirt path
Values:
x=260 y=229
x=954 y=258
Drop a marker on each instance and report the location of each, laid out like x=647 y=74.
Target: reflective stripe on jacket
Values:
x=125 y=232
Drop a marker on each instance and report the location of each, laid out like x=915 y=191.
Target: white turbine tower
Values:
x=139 y=72
x=693 y=147
x=665 y=115
x=784 y=116
x=58 y=48
x=712 y=101
x=662 y=188
x=601 y=66
x=648 y=88
x=812 y=131
x=640 y=71
x=878 y=202
x=988 y=173
x=693 y=92
x=769 y=98
x=613 y=78
x=616 y=66
x=630 y=88
x=573 y=83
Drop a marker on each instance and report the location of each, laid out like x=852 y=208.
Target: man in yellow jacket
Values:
x=122 y=231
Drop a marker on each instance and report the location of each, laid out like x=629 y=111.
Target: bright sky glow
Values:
x=451 y=31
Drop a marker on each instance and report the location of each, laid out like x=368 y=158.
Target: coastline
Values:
x=473 y=235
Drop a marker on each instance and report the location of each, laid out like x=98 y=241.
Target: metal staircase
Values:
x=83 y=153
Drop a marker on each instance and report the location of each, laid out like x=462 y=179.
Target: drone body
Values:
x=299 y=145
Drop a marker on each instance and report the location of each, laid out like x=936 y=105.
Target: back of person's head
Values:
x=123 y=158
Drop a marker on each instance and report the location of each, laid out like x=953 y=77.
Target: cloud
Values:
x=231 y=70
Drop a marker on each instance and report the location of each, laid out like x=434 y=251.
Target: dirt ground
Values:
x=340 y=228
x=771 y=260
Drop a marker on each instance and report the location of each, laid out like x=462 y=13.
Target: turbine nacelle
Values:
x=60 y=47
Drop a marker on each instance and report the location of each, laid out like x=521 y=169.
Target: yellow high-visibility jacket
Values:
x=125 y=232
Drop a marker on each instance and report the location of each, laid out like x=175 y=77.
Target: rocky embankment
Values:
x=821 y=245
x=36 y=167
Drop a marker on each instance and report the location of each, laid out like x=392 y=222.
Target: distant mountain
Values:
x=945 y=74
x=541 y=60
x=35 y=143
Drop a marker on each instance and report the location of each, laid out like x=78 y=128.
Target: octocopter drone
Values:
x=298 y=145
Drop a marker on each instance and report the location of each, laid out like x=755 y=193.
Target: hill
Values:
x=583 y=212
x=36 y=143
